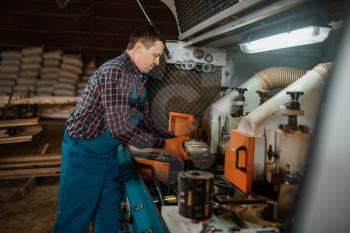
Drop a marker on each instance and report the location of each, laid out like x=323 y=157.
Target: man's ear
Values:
x=139 y=46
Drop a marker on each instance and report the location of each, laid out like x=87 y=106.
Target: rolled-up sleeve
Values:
x=115 y=87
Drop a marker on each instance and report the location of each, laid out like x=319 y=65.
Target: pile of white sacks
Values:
x=29 y=71
x=69 y=75
x=9 y=70
x=88 y=72
x=33 y=71
x=49 y=72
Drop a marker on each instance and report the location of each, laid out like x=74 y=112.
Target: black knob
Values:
x=294 y=95
x=294 y=103
x=240 y=90
x=223 y=89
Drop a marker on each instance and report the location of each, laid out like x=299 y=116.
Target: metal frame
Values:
x=220 y=16
x=263 y=13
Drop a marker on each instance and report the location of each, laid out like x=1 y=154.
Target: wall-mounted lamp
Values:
x=301 y=36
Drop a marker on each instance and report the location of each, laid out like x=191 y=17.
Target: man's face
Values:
x=150 y=57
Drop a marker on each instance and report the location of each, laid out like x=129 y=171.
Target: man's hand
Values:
x=174 y=147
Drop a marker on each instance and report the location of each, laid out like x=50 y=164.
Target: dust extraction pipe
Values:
x=274 y=77
x=268 y=114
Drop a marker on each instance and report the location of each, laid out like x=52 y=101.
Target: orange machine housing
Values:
x=239 y=161
x=181 y=124
x=146 y=166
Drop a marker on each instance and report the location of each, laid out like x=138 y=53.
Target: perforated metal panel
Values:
x=191 y=13
x=185 y=91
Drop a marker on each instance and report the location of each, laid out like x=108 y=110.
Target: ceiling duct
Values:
x=197 y=15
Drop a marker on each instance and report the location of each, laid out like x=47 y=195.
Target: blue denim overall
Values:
x=89 y=189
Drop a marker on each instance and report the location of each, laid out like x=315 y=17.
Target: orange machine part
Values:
x=181 y=124
x=145 y=167
x=239 y=161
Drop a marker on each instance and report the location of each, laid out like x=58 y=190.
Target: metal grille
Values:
x=191 y=13
x=185 y=91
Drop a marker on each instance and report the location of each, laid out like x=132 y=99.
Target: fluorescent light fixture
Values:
x=302 y=36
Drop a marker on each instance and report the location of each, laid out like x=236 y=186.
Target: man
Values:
x=113 y=109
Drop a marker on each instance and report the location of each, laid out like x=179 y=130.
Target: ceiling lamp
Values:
x=301 y=36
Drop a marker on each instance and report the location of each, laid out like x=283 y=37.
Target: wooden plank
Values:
x=30 y=130
x=29 y=165
x=15 y=139
x=44 y=149
x=34 y=172
x=3 y=133
x=19 y=122
x=38 y=100
x=29 y=158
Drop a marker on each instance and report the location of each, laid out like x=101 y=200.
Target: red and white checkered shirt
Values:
x=105 y=102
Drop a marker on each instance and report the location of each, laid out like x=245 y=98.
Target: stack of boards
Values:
x=19 y=130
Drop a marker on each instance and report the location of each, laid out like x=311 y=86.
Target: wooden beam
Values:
x=15 y=139
x=76 y=48
x=156 y=22
x=30 y=158
x=70 y=32
x=19 y=122
x=29 y=165
x=47 y=100
x=34 y=172
x=133 y=20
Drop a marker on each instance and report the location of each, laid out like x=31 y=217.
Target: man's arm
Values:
x=149 y=125
x=115 y=94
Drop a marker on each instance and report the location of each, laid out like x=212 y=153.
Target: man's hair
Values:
x=147 y=35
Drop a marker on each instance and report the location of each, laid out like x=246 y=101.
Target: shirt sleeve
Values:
x=115 y=93
x=149 y=125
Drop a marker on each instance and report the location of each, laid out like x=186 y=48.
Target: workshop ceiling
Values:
x=94 y=28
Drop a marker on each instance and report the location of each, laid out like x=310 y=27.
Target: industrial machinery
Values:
x=249 y=110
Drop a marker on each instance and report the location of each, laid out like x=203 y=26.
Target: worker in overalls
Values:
x=112 y=110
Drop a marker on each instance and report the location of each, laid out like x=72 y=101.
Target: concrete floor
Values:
x=34 y=214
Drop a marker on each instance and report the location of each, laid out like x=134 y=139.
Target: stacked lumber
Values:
x=19 y=130
x=21 y=166
x=9 y=70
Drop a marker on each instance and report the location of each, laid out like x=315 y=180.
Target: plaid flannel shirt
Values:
x=105 y=102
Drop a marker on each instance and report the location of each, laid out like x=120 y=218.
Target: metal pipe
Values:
x=275 y=77
x=268 y=114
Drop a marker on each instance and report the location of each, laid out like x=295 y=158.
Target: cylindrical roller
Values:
x=195 y=194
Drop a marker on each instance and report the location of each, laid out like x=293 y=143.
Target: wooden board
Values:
x=4 y=100
x=33 y=172
x=15 y=139
x=19 y=122
x=30 y=158
x=29 y=165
